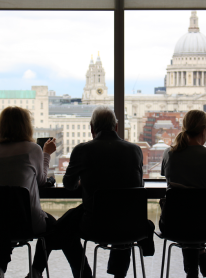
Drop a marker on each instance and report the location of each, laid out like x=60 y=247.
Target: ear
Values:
x=92 y=131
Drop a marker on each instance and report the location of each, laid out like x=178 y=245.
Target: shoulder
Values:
x=167 y=152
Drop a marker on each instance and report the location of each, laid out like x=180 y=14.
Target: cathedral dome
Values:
x=193 y=42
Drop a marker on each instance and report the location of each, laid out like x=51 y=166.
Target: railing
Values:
x=156 y=189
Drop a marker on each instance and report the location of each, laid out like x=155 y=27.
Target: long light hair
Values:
x=193 y=124
x=15 y=125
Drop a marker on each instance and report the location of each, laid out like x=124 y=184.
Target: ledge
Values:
x=156 y=190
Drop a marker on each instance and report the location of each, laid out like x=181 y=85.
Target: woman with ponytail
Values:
x=184 y=163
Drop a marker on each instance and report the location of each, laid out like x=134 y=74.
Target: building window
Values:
x=134 y=134
x=41 y=105
x=72 y=134
x=78 y=127
x=73 y=142
x=2 y=100
x=89 y=134
x=73 y=127
x=84 y=126
x=62 y=126
x=14 y=101
x=83 y=140
x=67 y=126
x=78 y=134
x=67 y=142
x=98 y=78
x=27 y=107
x=67 y=149
x=27 y=101
x=9 y=101
x=67 y=134
x=78 y=141
x=42 y=114
x=84 y=134
x=33 y=107
x=50 y=126
x=20 y=101
x=42 y=121
x=88 y=126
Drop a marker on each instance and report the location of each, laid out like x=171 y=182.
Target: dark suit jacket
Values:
x=105 y=162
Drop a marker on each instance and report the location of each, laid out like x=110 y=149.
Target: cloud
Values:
x=29 y=74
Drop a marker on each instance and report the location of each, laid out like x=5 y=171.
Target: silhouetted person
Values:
x=105 y=162
x=24 y=164
x=185 y=163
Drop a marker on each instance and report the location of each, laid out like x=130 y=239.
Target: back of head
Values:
x=103 y=118
x=15 y=125
x=193 y=124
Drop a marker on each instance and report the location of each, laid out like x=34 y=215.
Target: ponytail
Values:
x=181 y=142
x=193 y=124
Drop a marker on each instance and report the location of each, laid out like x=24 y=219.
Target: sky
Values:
x=54 y=48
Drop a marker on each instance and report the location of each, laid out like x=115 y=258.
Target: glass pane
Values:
x=165 y=76
x=60 y=66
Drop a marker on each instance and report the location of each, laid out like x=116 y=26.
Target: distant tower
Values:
x=95 y=88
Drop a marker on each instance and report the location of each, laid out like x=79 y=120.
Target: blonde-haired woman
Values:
x=23 y=163
x=185 y=163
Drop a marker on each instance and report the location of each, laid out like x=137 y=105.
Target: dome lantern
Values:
x=194 y=28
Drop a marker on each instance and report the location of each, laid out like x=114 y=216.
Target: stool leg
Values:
x=163 y=258
x=30 y=263
x=134 y=262
x=83 y=259
x=95 y=261
x=45 y=255
x=168 y=259
x=142 y=261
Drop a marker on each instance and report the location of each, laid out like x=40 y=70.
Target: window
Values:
x=27 y=101
x=62 y=126
x=42 y=114
x=78 y=141
x=83 y=126
x=42 y=121
x=33 y=107
x=67 y=142
x=78 y=127
x=73 y=134
x=73 y=142
x=73 y=126
x=41 y=105
x=89 y=126
x=78 y=134
x=67 y=134
x=67 y=126
x=89 y=134
x=84 y=134
x=67 y=149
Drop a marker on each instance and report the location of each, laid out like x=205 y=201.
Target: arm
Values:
x=71 y=179
x=41 y=160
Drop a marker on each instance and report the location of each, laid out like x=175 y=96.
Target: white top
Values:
x=24 y=164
